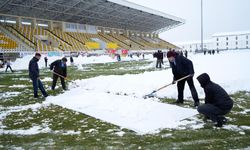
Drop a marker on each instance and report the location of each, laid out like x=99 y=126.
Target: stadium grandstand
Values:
x=81 y=25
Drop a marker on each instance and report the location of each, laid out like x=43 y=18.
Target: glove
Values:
x=191 y=76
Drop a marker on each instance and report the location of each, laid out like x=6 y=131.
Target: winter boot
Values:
x=196 y=104
x=221 y=121
x=179 y=102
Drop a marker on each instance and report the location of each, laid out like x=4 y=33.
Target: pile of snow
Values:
x=117 y=99
x=137 y=114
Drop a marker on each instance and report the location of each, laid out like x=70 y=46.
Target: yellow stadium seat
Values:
x=112 y=46
x=7 y=43
x=93 y=45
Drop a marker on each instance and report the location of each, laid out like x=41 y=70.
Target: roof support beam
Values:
x=4 y=3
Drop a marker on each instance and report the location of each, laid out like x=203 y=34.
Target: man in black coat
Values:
x=59 y=68
x=159 y=56
x=217 y=102
x=34 y=76
x=182 y=67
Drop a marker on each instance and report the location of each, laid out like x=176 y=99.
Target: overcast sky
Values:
x=219 y=16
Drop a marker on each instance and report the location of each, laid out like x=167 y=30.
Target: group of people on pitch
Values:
x=59 y=70
x=217 y=102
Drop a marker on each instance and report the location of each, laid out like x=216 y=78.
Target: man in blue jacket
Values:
x=34 y=76
x=182 y=67
x=217 y=102
x=59 y=68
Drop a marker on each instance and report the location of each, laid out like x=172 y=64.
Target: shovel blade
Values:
x=151 y=95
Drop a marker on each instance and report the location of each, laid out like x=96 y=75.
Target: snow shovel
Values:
x=60 y=75
x=152 y=94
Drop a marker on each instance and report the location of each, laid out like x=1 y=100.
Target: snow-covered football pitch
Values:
x=104 y=106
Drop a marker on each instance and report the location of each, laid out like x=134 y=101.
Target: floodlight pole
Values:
x=201 y=25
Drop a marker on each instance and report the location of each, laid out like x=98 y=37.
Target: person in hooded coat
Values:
x=217 y=102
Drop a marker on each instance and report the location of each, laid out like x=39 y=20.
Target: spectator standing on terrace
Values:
x=8 y=65
x=59 y=68
x=35 y=77
x=217 y=102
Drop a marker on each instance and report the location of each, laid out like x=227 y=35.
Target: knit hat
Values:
x=38 y=54
x=64 y=59
x=171 y=54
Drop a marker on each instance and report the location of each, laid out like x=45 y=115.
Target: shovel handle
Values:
x=183 y=78
x=172 y=83
x=59 y=75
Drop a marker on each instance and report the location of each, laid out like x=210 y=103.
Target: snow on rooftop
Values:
x=231 y=33
x=192 y=42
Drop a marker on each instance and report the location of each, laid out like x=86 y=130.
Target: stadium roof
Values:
x=118 y=14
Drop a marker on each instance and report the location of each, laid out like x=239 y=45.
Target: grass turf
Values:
x=61 y=128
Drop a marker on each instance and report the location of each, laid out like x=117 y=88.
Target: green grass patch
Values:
x=67 y=129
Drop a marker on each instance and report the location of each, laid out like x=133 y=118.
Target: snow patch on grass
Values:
x=18 y=86
x=32 y=131
x=47 y=79
x=9 y=94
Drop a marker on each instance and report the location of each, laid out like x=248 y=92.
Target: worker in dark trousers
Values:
x=34 y=76
x=217 y=102
x=181 y=67
x=59 y=68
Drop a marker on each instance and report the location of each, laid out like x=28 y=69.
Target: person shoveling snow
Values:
x=182 y=67
x=59 y=68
